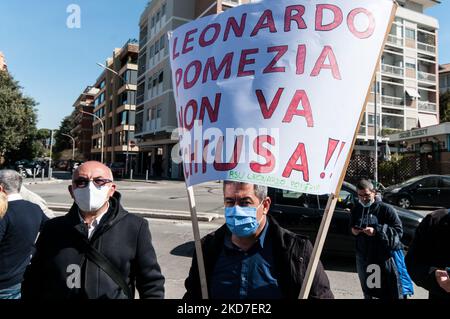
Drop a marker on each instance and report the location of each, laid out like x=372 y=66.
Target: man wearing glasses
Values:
x=379 y=254
x=98 y=250
x=251 y=256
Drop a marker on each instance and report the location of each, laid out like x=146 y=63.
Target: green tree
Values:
x=17 y=120
x=63 y=142
x=444 y=107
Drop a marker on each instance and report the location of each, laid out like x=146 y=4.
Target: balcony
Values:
x=427 y=106
x=392 y=101
x=153 y=125
x=426 y=48
x=392 y=39
x=392 y=70
x=426 y=77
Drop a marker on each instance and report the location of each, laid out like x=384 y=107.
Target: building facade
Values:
x=156 y=110
x=407 y=77
x=444 y=78
x=115 y=107
x=3 y=66
x=82 y=132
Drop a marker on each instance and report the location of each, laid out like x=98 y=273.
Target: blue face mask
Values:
x=242 y=221
x=368 y=204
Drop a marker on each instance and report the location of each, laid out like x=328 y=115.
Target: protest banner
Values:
x=273 y=94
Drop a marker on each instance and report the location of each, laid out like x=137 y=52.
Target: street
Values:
x=173 y=239
x=174 y=245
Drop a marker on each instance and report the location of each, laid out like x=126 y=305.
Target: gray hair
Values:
x=364 y=184
x=11 y=181
x=260 y=190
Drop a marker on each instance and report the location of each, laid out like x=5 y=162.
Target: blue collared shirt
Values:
x=240 y=274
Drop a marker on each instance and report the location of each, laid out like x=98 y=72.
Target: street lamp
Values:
x=50 y=171
x=134 y=103
x=73 y=145
x=103 y=129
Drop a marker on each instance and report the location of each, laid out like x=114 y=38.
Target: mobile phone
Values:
x=358 y=227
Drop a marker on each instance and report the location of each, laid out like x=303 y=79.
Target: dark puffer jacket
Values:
x=291 y=255
x=430 y=250
x=378 y=249
x=121 y=237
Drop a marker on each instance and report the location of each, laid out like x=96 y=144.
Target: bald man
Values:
x=98 y=250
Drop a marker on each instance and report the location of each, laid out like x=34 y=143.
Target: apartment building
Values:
x=82 y=132
x=444 y=78
x=407 y=76
x=115 y=107
x=3 y=66
x=156 y=110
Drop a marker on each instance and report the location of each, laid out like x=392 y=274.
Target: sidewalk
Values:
x=39 y=181
x=61 y=209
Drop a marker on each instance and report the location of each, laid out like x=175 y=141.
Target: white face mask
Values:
x=91 y=198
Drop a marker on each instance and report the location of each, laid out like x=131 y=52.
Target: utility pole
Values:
x=50 y=161
x=376 y=135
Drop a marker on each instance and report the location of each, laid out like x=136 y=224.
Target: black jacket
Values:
x=430 y=250
x=291 y=255
x=376 y=250
x=18 y=231
x=122 y=237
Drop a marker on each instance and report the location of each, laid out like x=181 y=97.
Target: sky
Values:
x=54 y=63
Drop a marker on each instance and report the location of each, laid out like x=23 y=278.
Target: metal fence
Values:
x=390 y=172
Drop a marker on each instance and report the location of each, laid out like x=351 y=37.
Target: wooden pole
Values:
x=198 y=245
x=332 y=199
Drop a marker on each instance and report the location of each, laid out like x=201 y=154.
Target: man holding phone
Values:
x=378 y=231
x=428 y=258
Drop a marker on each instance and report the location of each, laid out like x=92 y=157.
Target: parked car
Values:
x=27 y=168
x=302 y=213
x=117 y=168
x=426 y=190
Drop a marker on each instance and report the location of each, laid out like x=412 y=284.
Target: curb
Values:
x=174 y=215
x=52 y=181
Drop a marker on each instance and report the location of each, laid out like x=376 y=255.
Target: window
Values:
x=410 y=34
x=156 y=47
x=163 y=10
x=149 y=86
x=445 y=182
x=102 y=84
x=122 y=118
x=371 y=118
x=154 y=81
x=161 y=42
x=161 y=77
x=158 y=113
x=157 y=16
x=345 y=200
x=429 y=182
x=393 y=122
x=100 y=99
x=153 y=22
x=152 y=51
x=149 y=114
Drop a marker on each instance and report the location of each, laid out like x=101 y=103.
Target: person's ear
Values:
x=70 y=191
x=266 y=204
x=2 y=189
x=112 y=190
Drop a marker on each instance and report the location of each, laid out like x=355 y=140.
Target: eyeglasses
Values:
x=83 y=182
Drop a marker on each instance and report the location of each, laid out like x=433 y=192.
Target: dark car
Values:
x=302 y=213
x=426 y=190
x=117 y=168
